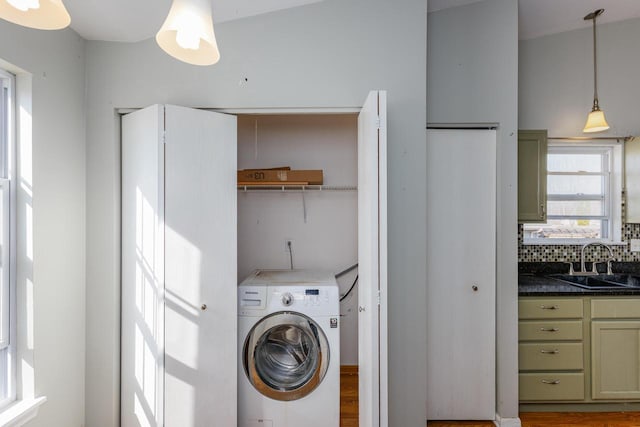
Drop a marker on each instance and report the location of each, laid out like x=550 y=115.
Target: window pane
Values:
x=565 y=229
x=574 y=184
x=574 y=162
x=575 y=207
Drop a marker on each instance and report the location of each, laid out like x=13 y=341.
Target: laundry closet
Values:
x=320 y=221
x=190 y=234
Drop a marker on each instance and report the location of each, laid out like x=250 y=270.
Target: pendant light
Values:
x=595 y=120
x=187 y=33
x=39 y=14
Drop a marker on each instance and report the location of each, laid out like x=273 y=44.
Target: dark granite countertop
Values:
x=535 y=285
x=533 y=280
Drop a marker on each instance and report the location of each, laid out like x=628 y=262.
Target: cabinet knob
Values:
x=475 y=288
x=203 y=307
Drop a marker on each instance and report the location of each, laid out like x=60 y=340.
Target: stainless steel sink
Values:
x=600 y=281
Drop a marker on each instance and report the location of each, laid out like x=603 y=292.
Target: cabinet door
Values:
x=632 y=179
x=615 y=359
x=461 y=265
x=532 y=176
x=200 y=268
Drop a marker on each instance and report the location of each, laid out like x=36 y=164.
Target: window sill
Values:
x=21 y=412
x=567 y=242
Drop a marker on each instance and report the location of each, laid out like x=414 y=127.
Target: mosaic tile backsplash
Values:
x=571 y=253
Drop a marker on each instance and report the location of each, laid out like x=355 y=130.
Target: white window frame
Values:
x=8 y=330
x=613 y=191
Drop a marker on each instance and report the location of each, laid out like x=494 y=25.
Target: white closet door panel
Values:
x=461 y=257
x=372 y=260
x=142 y=269
x=200 y=304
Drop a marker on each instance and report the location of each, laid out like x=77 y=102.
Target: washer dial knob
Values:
x=287 y=299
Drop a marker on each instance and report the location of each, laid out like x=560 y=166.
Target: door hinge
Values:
x=378 y=122
x=164 y=136
x=378 y=296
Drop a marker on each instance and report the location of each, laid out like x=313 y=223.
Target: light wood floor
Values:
x=349 y=412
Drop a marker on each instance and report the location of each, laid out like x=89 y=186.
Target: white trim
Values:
x=21 y=412
x=507 y=422
x=286 y=110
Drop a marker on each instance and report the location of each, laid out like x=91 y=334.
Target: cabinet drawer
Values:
x=550 y=330
x=560 y=308
x=615 y=308
x=551 y=386
x=550 y=356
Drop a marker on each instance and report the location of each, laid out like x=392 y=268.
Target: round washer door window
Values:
x=286 y=356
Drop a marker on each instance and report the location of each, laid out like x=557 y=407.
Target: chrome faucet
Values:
x=594 y=270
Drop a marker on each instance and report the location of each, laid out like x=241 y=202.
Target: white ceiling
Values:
x=135 y=20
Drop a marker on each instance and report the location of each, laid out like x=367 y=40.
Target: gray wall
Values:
x=473 y=77
x=56 y=196
x=328 y=54
x=556 y=80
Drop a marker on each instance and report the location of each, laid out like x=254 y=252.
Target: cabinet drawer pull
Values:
x=549 y=329
x=549 y=307
x=551 y=382
x=555 y=351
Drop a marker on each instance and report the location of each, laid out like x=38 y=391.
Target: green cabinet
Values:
x=615 y=349
x=550 y=350
x=579 y=350
x=532 y=176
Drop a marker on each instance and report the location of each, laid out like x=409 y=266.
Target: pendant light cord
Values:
x=596 y=105
x=593 y=16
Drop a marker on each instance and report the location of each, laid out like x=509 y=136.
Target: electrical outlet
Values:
x=635 y=245
x=288 y=245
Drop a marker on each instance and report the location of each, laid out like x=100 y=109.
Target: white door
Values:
x=372 y=260
x=179 y=268
x=200 y=268
x=461 y=274
x=142 y=321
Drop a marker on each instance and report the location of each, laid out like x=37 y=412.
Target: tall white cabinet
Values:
x=461 y=274
x=179 y=266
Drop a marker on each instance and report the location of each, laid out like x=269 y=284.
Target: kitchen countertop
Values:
x=530 y=284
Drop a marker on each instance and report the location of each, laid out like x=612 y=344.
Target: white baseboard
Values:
x=507 y=422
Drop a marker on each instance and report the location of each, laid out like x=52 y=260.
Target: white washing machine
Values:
x=289 y=349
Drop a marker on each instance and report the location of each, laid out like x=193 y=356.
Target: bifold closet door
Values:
x=179 y=279
x=200 y=268
x=461 y=274
x=142 y=319
x=372 y=261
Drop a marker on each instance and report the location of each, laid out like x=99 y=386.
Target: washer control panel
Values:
x=308 y=297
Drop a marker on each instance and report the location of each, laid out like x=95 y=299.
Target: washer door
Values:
x=286 y=356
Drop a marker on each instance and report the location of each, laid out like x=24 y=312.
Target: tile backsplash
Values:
x=571 y=253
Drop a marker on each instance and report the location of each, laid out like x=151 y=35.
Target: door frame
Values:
x=382 y=301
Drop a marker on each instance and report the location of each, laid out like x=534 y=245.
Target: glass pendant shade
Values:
x=596 y=122
x=187 y=33
x=39 y=14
